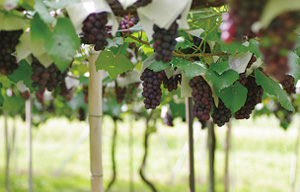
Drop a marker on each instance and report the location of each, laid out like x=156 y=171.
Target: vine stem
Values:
x=138 y=40
x=143 y=165
x=113 y=154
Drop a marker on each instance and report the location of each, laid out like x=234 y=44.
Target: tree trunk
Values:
x=113 y=154
x=29 y=143
x=211 y=148
x=7 y=151
x=144 y=162
x=227 y=148
x=95 y=121
x=189 y=120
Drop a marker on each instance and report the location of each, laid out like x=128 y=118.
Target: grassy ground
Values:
x=260 y=157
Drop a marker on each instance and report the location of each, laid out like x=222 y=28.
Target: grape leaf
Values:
x=273 y=88
x=191 y=69
x=233 y=48
x=113 y=65
x=219 y=67
x=222 y=81
x=234 y=96
x=12 y=20
x=254 y=48
x=177 y=109
x=41 y=8
x=121 y=49
x=38 y=29
x=275 y=7
x=23 y=72
x=63 y=44
x=158 y=66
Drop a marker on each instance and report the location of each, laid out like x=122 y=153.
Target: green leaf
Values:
x=113 y=65
x=177 y=109
x=275 y=7
x=233 y=48
x=60 y=4
x=274 y=89
x=220 y=67
x=63 y=44
x=41 y=8
x=294 y=65
x=12 y=20
x=222 y=81
x=38 y=29
x=120 y=50
x=254 y=48
x=239 y=62
x=234 y=96
x=191 y=69
x=22 y=73
x=158 y=66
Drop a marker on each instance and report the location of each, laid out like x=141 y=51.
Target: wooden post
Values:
x=95 y=121
x=29 y=142
x=7 y=151
x=189 y=120
x=227 y=148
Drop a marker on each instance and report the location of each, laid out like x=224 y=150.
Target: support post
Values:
x=227 y=149
x=294 y=164
x=95 y=121
x=211 y=149
x=29 y=142
x=189 y=120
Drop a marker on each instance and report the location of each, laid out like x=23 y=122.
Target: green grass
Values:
x=260 y=158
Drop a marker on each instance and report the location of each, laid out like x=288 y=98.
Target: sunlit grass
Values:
x=260 y=159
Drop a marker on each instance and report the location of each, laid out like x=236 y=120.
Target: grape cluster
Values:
x=128 y=22
x=254 y=96
x=94 y=30
x=81 y=114
x=172 y=83
x=131 y=92
x=8 y=43
x=25 y=95
x=277 y=40
x=85 y=91
x=151 y=87
x=120 y=93
x=164 y=42
x=64 y=92
x=168 y=119
x=221 y=114
x=288 y=84
x=49 y=77
x=239 y=20
x=202 y=97
x=39 y=94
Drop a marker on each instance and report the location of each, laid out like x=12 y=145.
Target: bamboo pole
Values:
x=95 y=120
x=29 y=142
x=189 y=120
x=227 y=148
x=7 y=151
x=211 y=148
x=131 y=155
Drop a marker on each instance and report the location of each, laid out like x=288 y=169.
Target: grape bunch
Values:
x=151 y=87
x=288 y=84
x=8 y=43
x=49 y=77
x=172 y=83
x=239 y=20
x=85 y=91
x=81 y=114
x=254 y=96
x=202 y=97
x=131 y=92
x=39 y=94
x=164 y=42
x=277 y=40
x=221 y=114
x=25 y=95
x=64 y=92
x=168 y=119
x=94 y=30
x=128 y=22
x=120 y=93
